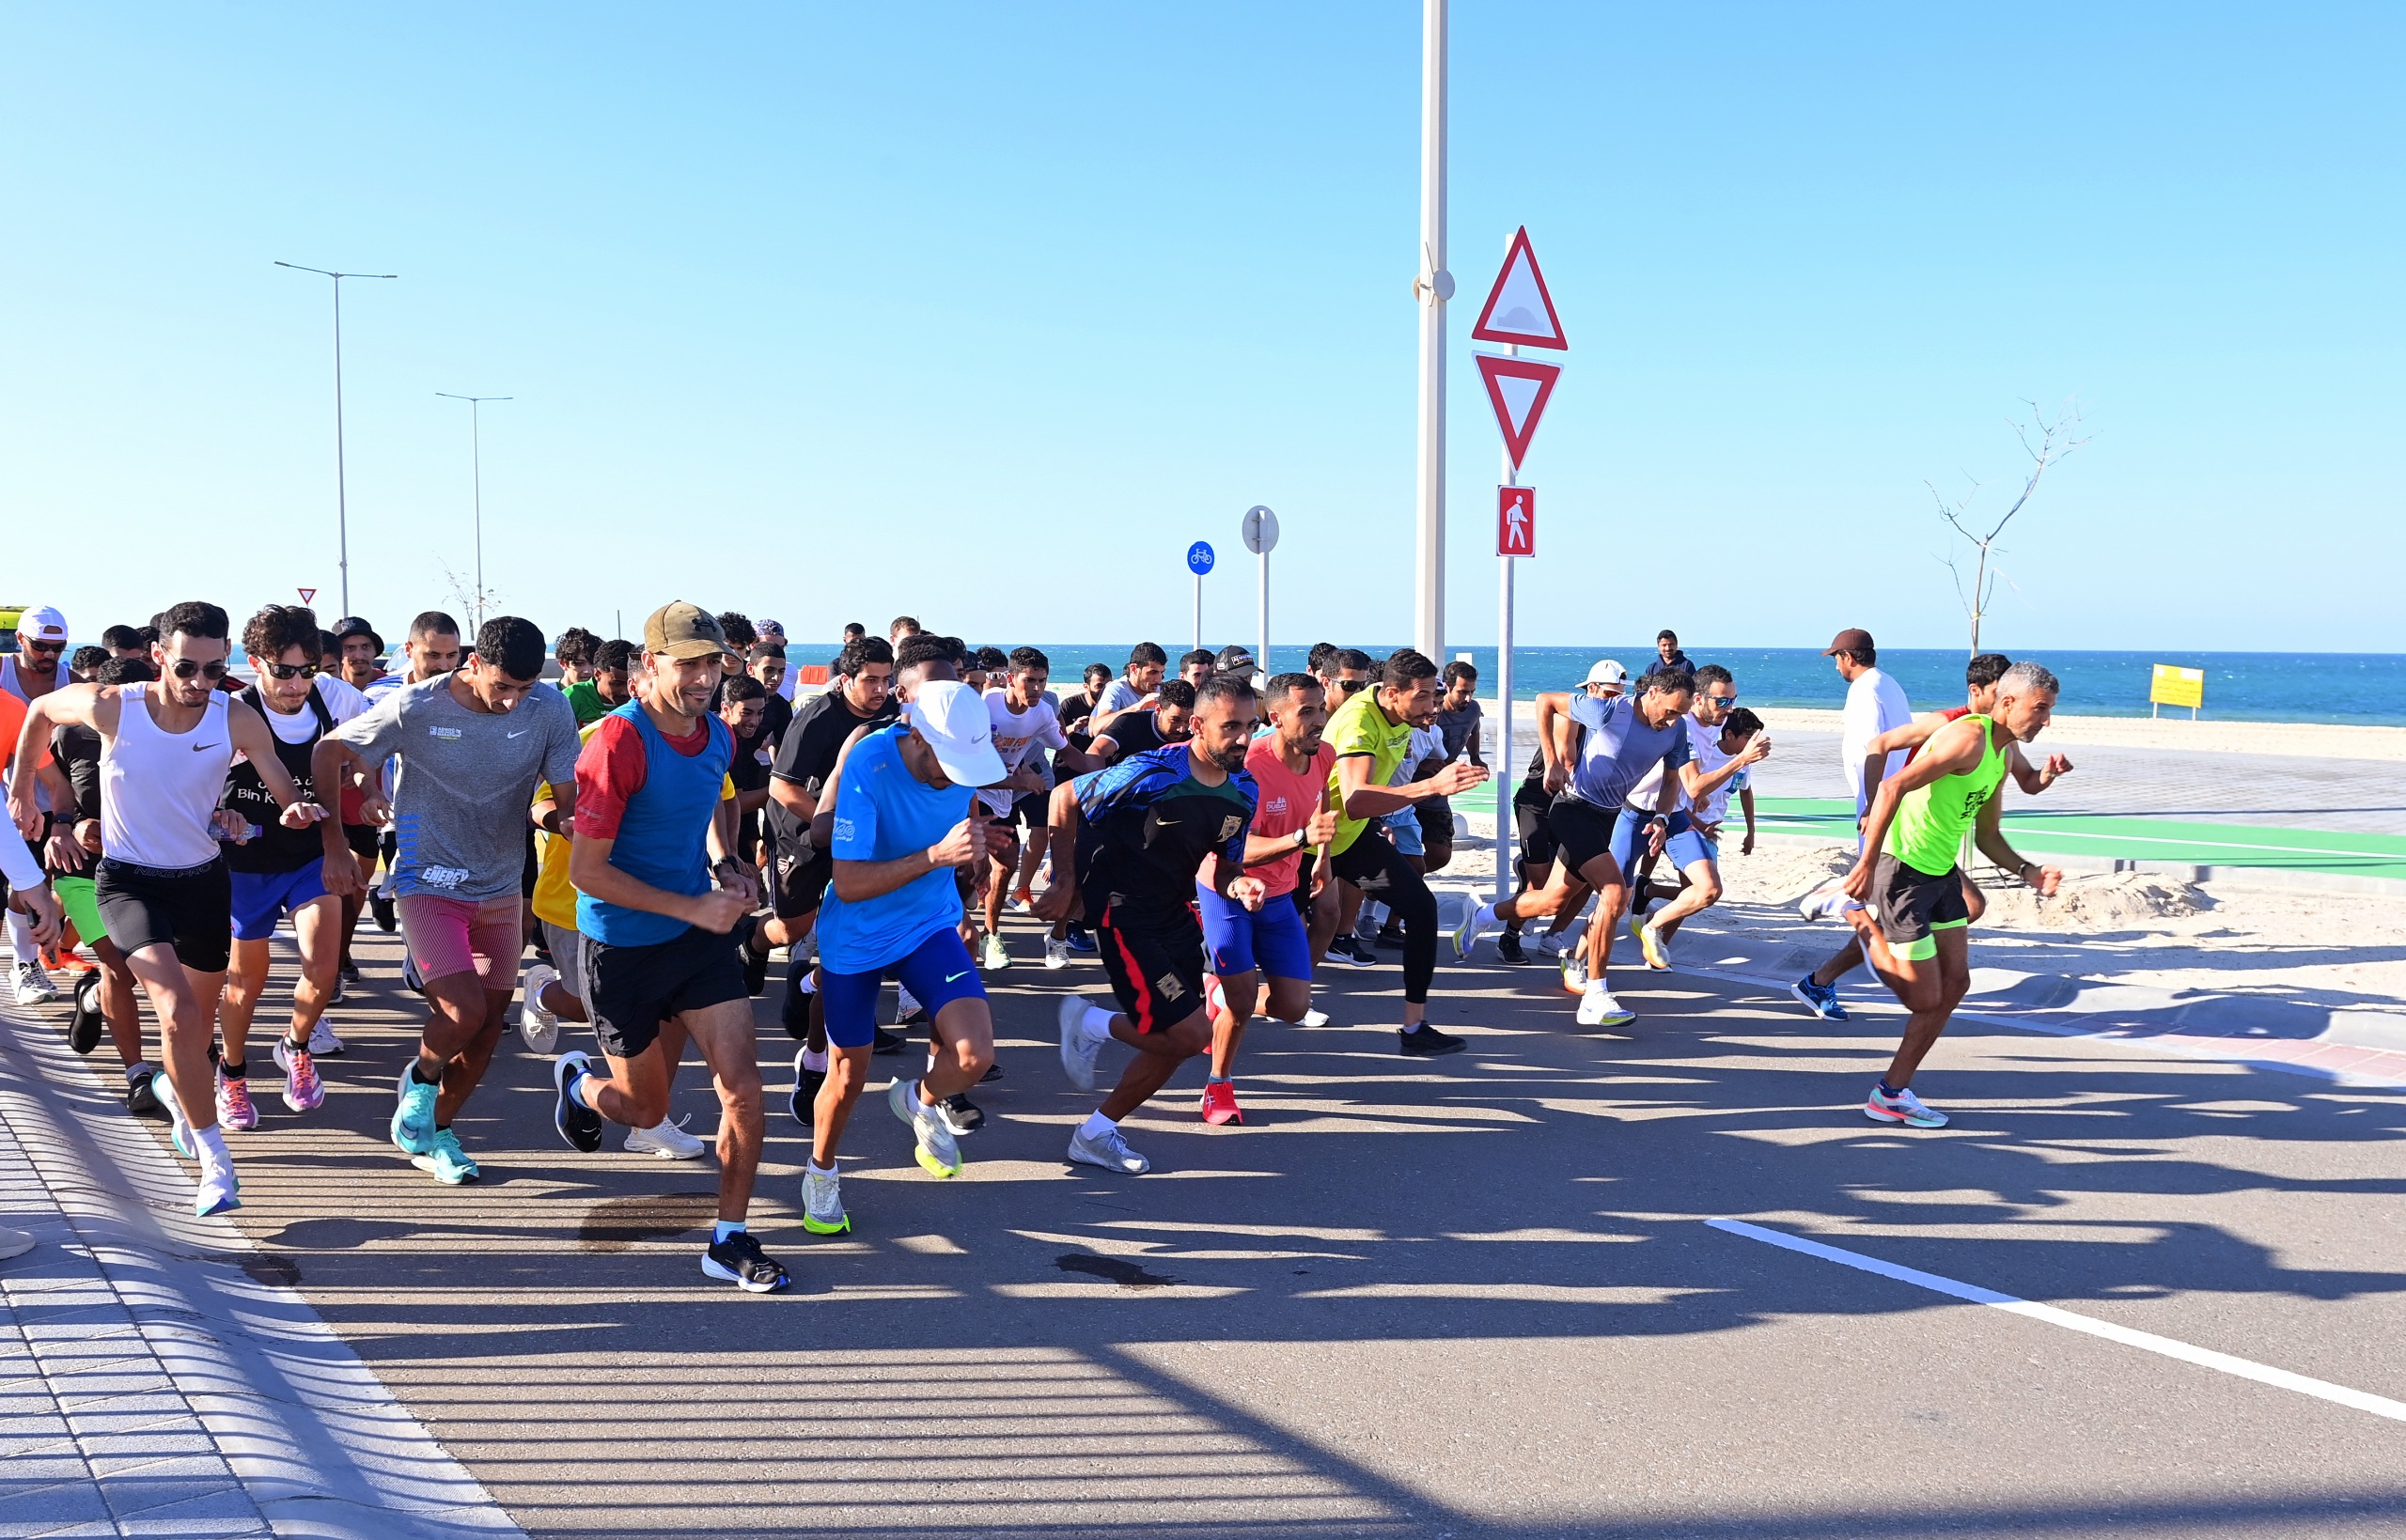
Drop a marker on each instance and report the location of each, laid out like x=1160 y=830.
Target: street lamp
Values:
x=476 y=485
x=342 y=513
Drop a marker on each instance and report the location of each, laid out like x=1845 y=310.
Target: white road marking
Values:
x=2187 y=1353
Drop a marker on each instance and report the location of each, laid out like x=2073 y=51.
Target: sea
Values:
x=2336 y=687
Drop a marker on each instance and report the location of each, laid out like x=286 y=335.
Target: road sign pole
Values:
x=1503 y=782
x=1433 y=287
x=1261 y=619
x=1198 y=609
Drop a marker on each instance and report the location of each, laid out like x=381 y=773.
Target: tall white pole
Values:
x=1432 y=287
x=342 y=497
x=477 y=493
x=1262 y=622
x=1505 y=777
x=1198 y=609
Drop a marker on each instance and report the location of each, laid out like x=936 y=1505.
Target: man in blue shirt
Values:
x=904 y=821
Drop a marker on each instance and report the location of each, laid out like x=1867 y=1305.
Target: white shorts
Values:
x=567 y=945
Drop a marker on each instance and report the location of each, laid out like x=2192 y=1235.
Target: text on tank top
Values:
x=272 y=847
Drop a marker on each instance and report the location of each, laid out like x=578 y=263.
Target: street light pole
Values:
x=342 y=510
x=476 y=484
x=1432 y=287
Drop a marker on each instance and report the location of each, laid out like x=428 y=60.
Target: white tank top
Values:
x=158 y=789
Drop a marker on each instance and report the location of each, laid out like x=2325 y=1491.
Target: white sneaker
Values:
x=992 y=956
x=1598 y=1009
x=323 y=1044
x=34 y=984
x=1078 y=1051
x=938 y=1152
x=822 y=1201
x=905 y=1007
x=1574 y=971
x=667 y=1140
x=1056 y=952
x=1468 y=933
x=1313 y=1019
x=1826 y=902
x=1904 y=1107
x=1107 y=1150
x=538 y=1027
x=1651 y=943
x=219 y=1189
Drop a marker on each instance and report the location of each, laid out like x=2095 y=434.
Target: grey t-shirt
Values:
x=1455 y=729
x=468 y=778
x=1619 y=748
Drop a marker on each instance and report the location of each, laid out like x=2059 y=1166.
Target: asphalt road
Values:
x=1478 y=1296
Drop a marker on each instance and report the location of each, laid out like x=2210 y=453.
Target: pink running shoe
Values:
x=303 y=1091
x=234 y=1109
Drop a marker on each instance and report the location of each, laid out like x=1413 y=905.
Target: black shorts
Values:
x=1436 y=815
x=1538 y=847
x=1911 y=905
x=797 y=883
x=1155 y=964
x=1033 y=809
x=364 y=840
x=629 y=991
x=1581 y=830
x=192 y=910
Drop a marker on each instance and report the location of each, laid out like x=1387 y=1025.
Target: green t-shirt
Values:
x=1927 y=834
x=1359 y=727
x=585 y=696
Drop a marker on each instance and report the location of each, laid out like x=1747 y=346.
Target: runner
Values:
x=126 y=642
x=1724 y=742
x=166 y=749
x=1197 y=665
x=1146 y=664
x=109 y=994
x=575 y=651
x=1142 y=828
x=1025 y=723
x=33 y=670
x=741 y=705
x=1606 y=679
x=655 y=950
x=276 y=871
x=473 y=745
x=1134 y=731
x=1458 y=726
x=772 y=643
x=1593 y=773
x=606 y=687
x=905 y=822
x=1290 y=768
x=1908 y=873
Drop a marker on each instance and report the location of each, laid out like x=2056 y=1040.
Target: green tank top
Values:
x=1929 y=829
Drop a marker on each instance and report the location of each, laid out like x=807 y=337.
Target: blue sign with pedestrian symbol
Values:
x=1199 y=557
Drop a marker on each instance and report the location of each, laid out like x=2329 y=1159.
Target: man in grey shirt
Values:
x=475 y=744
x=1146 y=664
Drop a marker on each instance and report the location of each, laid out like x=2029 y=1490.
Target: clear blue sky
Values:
x=984 y=312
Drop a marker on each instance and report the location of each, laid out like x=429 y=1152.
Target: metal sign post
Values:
x=1261 y=537
x=1199 y=561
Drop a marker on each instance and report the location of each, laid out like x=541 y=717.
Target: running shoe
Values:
x=804 y=1102
x=323 y=1044
x=412 y=1114
x=1024 y=902
x=1426 y=1042
x=341 y=991
x=85 y=1027
x=538 y=1026
x=1056 y=952
x=219 y=1190
x=667 y=1140
x=1107 y=1150
x=992 y=956
x=740 y=1261
x=1468 y=933
x=1826 y=902
x=141 y=1098
x=1078 y=1051
x=1313 y=1019
x=1220 y=1103
x=960 y=1114
x=794 y=1014
x=447 y=1163
x=34 y=984
x=1216 y=997
x=1390 y=936
x=822 y=1201
x=304 y=1091
x=993 y=1072
x=1081 y=940
x=1905 y=1108
x=1356 y=950
x=755 y=958
x=906 y=1007
x=937 y=1153
x=1658 y=951
x=889 y=1042
x=234 y=1109
x=578 y=1123
x=179 y=1131
x=1508 y=948
x=380 y=906
x=348 y=971
x=1574 y=973
x=1821 y=999
x=1598 y=1009
x=411 y=980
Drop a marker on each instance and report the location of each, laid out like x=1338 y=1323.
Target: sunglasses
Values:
x=186 y=668
x=1720 y=700
x=288 y=671
x=46 y=646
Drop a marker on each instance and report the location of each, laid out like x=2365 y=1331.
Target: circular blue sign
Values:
x=1199 y=557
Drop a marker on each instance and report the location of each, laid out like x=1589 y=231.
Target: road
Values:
x=1475 y=1296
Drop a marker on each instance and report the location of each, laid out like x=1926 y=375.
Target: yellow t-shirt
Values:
x=554 y=900
x=1359 y=727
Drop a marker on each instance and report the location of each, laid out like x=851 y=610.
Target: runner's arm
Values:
x=1470 y=744
x=1550 y=706
x=72 y=706
x=1987 y=832
x=823 y=814
x=1059 y=899
x=591 y=871
x=1746 y=800
x=250 y=733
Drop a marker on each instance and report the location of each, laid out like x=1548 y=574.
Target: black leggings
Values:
x=1378 y=869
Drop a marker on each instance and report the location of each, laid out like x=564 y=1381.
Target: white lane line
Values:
x=2263 y=1373
x=1811 y=821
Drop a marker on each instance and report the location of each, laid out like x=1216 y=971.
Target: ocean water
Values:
x=2361 y=688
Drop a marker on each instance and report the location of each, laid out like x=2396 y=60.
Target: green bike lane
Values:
x=2108 y=836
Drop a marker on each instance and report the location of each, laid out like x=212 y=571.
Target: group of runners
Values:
x=660 y=821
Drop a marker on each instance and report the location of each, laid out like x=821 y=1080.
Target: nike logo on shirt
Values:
x=199 y=747
x=521 y=732
x=949 y=977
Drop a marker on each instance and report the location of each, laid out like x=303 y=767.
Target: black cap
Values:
x=350 y=626
x=1233 y=660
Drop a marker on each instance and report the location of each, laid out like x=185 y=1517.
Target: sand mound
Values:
x=2096 y=900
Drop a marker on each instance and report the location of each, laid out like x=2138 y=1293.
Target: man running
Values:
x=1908 y=877
x=473 y=745
x=604 y=687
x=1146 y=664
x=905 y=823
x=165 y=750
x=1024 y=725
x=1606 y=679
x=648 y=785
x=1141 y=830
x=1137 y=731
x=1724 y=742
x=37 y=668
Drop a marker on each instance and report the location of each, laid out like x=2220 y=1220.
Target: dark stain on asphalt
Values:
x=617 y=1224
x=1112 y=1270
x=272 y=1269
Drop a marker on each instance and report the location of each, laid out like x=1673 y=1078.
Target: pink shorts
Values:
x=449 y=936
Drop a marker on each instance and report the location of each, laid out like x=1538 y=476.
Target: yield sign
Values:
x=308 y=595
x=1519 y=310
x=1518 y=388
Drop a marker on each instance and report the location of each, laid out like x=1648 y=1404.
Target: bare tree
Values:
x=2044 y=441
x=472 y=604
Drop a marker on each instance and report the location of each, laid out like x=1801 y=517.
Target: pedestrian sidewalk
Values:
x=155 y=1376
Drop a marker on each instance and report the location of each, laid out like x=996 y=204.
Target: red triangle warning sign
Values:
x=1519 y=311
x=308 y=595
x=1519 y=389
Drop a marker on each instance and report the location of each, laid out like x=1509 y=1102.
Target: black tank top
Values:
x=272 y=847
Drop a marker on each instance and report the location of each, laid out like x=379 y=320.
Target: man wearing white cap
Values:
x=904 y=821
x=1606 y=679
x=33 y=671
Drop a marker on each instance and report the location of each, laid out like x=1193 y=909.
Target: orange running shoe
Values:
x=1220 y=1103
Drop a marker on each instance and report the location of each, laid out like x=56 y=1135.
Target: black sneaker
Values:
x=1508 y=947
x=580 y=1125
x=83 y=1027
x=1356 y=950
x=960 y=1114
x=804 y=1103
x=348 y=971
x=755 y=960
x=142 y=1102
x=889 y=1042
x=1426 y=1042
x=1391 y=935
x=794 y=1015
x=381 y=909
x=740 y=1261
x=993 y=1072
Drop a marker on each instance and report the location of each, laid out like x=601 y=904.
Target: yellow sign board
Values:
x=2176 y=685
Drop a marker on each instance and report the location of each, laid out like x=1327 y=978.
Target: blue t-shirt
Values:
x=884 y=812
x=1619 y=748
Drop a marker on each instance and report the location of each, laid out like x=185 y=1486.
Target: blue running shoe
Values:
x=1821 y=999
x=447 y=1162
x=413 y=1114
x=1080 y=939
x=580 y=1125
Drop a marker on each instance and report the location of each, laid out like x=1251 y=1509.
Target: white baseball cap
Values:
x=1608 y=672
x=40 y=623
x=953 y=719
